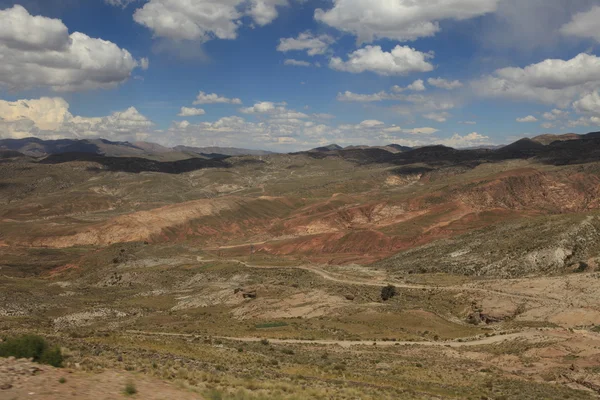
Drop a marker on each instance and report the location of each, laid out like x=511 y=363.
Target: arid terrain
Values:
x=261 y=276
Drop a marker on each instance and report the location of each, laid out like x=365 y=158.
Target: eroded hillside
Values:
x=360 y=273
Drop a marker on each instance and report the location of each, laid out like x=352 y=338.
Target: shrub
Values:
x=265 y=342
x=62 y=380
x=130 y=389
x=388 y=292
x=34 y=347
x=52 y=356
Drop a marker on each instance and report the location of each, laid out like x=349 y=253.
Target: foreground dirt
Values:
x=21 y=379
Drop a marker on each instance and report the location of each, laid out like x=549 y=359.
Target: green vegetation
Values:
x=388 y=292
x=34 y=347
x=271 y=325
x=130 y=389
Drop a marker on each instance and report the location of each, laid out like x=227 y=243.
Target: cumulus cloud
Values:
x=588 y=104
x=585 y=121
x=39 y=52
x=296 y=63
x=190 y=112
x=192 y=20
x=416 y=86
x=401 y=20
x=434 y=105
x=119 y=3
x=402 y=60
x=203 y=20
x=438 y=117
x=276 y=113
x=529 y=118
x=262 y=107
x=531 y=24
x=552 y=81
x=348 y=96
x=306 y=41
x=584 y=25
x=213 y=98
x=263 y=12
x=49 y=118
x=268 y=125
x=555 y=114
x=473 y=139
x=444 y=84
x=547 y=125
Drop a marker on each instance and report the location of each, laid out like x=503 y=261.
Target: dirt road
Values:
x=529 y=335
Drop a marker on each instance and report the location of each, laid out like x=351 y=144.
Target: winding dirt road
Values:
x=401 y=285
x=529 y=335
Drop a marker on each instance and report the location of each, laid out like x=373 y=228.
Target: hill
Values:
x=226 y=151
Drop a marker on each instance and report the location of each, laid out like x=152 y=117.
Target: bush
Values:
x=130 y=389
x=388 y=292
x=34 y=347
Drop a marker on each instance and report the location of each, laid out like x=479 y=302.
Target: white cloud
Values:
x=22 y=31
x=399 y=19
x=313 y=45
x=190 y=112
x=424 y=104
x=585 y=121
x=323 y=116
x=119 y=3
x=417 y=86
x=402 y=60
x=530 y=25
x=213 y=98
x=584 y=25
x=552 y=81
x=547 y=125
x=296 y=63
x=192 y=20
x=38 y=52
x=371 y=123
x=49 y=118
x=277 y=113
x=588 y=104
x=348 y=96
x=444 y=84
x=555 y=114
x=263 y=12
x=471 y=140
x=262 y=107
x=439 y=117
x=421 y=131
x=529 y=118
x=203 y=20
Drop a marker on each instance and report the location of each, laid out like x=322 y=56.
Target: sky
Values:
x=287 y=75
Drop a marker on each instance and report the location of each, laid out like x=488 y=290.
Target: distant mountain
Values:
x=137 y=164
x=35 y=147
x=325 y=149
x=10 y=154
x=548 y=138
x=399 y=147
x=226 y=151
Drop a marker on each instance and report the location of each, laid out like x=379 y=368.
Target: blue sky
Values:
x=294 y=74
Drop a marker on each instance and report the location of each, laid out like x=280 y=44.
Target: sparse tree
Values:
x=388 y=292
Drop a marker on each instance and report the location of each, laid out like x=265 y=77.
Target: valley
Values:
x=262 y=276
